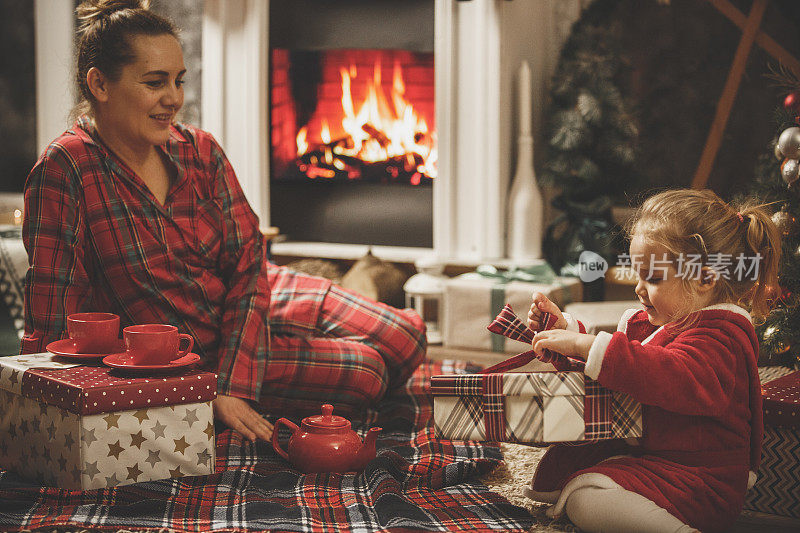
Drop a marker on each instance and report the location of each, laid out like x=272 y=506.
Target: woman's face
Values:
x=142 y=104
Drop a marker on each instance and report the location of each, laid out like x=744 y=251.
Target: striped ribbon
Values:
x=494 y=410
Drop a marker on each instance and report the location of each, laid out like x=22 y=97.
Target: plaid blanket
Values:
x=415 y=482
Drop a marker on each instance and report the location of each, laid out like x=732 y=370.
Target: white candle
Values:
x=524 y=99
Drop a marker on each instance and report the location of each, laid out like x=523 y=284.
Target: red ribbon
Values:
x=509 y=325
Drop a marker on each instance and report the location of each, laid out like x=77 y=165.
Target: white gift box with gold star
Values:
x=90 y=427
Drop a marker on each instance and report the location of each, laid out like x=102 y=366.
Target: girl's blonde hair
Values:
x=699 y=223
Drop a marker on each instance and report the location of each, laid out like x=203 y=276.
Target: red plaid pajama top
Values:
x=98 y=240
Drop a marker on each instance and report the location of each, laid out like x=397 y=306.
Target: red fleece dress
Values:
x=701 y=401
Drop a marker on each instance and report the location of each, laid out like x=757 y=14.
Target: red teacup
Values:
x=93 y=332
x=155 y=344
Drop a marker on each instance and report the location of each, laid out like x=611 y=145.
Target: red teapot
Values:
x=326 y=443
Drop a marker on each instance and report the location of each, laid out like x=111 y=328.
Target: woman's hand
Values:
x=565 y=342
x=541 y=305
x=237 y=414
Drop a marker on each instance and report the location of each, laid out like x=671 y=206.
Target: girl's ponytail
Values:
x=764 y=242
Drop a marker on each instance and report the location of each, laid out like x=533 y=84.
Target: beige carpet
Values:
x=511 y=478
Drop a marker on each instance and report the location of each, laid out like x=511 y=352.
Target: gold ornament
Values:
x=786 y=222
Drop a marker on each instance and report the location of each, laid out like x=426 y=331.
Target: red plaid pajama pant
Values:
x=332 y=345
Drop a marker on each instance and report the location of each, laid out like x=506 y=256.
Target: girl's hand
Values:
x=237 y=414
x=541 y=305
x=569 y=343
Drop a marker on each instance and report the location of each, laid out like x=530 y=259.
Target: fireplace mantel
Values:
x=478 y=46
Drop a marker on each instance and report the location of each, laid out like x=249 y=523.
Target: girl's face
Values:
x=659 y=288
x=141 y=105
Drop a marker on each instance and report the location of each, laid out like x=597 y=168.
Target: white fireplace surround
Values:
x=478 y=47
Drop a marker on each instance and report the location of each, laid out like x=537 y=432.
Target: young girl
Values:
x=689 y=357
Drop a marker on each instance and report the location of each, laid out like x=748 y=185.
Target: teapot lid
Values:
x=327 y=420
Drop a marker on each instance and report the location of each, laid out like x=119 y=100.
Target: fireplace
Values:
x=353 y=145
x=474 y=49
x=336 y=115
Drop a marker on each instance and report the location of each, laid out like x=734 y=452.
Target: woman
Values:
x=132 y=213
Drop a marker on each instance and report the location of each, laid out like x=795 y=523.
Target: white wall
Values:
x=55 y=57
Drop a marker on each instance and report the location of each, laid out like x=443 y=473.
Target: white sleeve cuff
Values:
x=572 y=324
x=596 y=354
x=623 y=321
x=751 y=479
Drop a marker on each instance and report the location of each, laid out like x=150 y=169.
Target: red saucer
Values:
x=122 y=360
x=66 y=348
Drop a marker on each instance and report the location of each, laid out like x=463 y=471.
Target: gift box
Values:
x=531 y=408
x=89 y=427
x=777 y=488
x=473 y=299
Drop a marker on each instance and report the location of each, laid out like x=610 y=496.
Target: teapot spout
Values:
x=367 y=451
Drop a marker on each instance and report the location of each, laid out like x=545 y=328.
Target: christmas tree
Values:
x=622 y=122
x=777 y=184
x=590 y=132
x=590 y=137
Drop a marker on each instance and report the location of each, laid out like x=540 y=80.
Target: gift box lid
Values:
x=89 y=390
x=513 y=384
x=781 y=398
x=474 y=279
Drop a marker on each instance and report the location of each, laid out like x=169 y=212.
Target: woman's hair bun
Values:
x=91 y=11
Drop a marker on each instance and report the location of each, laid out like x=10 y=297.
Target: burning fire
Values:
x=382 y=131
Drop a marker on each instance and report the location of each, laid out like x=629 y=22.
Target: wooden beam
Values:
x=725 y=103
x=763 y=40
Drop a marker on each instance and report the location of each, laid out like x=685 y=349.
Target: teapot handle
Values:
x=289 y=424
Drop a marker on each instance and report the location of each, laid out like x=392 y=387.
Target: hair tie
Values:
x=741 y=217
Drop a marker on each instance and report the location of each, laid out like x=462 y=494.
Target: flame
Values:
x=377 y=129
x=302 y=144
x=325 y=133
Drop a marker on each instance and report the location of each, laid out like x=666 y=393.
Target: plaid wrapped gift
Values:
x=530 y=407
x=84 y=427
x=777 y=488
